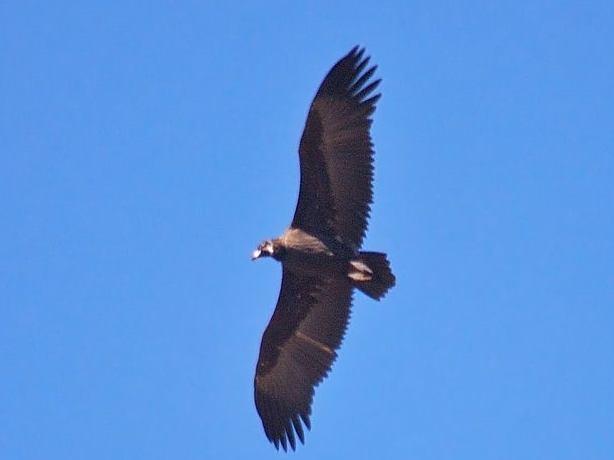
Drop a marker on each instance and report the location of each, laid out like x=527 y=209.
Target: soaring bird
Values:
x=320 y=252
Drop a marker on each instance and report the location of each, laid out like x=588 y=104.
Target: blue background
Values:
x=147 y=148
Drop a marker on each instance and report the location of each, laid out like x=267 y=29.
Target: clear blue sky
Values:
x=146 y=148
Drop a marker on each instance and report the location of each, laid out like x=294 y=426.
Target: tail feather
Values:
x=370 y=272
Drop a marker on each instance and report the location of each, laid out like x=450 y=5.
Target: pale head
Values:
x=264 y=249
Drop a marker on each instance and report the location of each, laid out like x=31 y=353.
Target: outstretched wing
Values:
x=297 y=351
x=336 y=153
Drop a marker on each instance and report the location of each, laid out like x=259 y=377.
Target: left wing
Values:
x=336 y=154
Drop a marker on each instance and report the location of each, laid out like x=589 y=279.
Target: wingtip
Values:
x=290 y=435
x=356 y=53
x=298 y=428
x=306 y=420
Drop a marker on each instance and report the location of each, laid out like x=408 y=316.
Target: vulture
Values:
x=320 y=252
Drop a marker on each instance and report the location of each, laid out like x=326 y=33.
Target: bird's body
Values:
x=307 y=255
x=320 y=252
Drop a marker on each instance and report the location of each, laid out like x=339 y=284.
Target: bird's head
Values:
x=264 y=249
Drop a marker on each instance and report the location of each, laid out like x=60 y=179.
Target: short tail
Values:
x=370 y=272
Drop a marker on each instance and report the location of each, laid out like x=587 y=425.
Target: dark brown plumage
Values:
x=320 y=252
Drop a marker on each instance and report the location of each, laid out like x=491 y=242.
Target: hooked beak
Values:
x=256 y=254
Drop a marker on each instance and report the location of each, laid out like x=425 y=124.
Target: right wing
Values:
x=297 y=350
